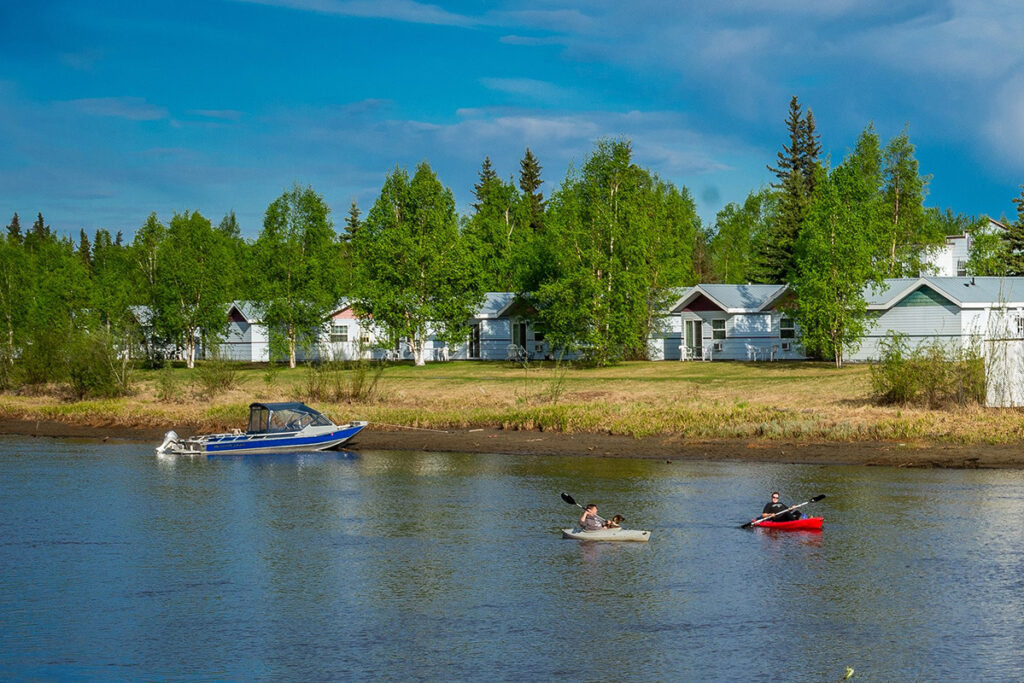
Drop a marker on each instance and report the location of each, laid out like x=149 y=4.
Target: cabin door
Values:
x=519 y=334
x=692 y=337
x=474 y=341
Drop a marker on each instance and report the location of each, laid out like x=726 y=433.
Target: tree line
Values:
x=596 y=261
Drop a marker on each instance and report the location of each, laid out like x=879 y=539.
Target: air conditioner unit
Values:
x=787 y=346
x=717 y=346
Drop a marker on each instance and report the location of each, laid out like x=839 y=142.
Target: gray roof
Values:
x=494 y=304
x=965 y=292
x=733 y=298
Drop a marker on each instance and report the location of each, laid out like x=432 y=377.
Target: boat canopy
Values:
x=283 y=417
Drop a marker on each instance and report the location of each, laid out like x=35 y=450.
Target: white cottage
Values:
x=959 y=311
x=729 y=322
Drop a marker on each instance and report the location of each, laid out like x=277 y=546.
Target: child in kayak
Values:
x=589 y=521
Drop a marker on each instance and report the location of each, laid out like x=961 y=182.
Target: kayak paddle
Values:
x=757 y=522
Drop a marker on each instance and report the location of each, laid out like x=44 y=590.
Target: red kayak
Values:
x=805 y=524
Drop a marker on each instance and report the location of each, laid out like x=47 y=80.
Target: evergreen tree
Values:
x=529 y=183
x=40 y=230
x=1013 y=238
x=14 y=229
x=795 y=172
x=84 y=250
x=352 y=222
x=487 y=176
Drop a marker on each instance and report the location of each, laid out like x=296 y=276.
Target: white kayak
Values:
x=618 y=534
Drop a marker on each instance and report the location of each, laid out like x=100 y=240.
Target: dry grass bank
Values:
x=775 y=401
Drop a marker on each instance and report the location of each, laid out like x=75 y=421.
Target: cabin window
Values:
x=1020 y=326
x=364 y=337
x=339 y=333
x=961 y=268
x=718 y=328
x=786 y=328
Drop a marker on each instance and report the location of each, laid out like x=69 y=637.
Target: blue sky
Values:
x=112 y=110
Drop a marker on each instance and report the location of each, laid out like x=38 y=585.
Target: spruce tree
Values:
x=40 y=229
x=352 y=222
x=796 y=166
x=487 y=176
x=14 y=229
x=529 y=183
x=84 y=249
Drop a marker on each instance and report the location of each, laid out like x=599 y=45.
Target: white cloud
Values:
x=130 y=108
x=397 y=10
x=528 y=87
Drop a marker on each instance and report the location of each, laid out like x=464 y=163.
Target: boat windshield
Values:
x=289 y=417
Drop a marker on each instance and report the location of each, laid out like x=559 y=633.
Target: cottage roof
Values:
x=964 y=292
x=733 y=298
x=247 y=309
x=495 y=304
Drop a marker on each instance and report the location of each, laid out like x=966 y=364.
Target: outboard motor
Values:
x=170 y=443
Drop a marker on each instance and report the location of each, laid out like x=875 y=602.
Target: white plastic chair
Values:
x=685 y=353
x=774 y=351
x=751 y=352
x=707 y=353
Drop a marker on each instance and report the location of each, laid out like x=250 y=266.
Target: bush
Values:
x=216 y=374
x=97 y=365
x=934 y=375
x=336 y=380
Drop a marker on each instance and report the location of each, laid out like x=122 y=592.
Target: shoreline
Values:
x=669 y=447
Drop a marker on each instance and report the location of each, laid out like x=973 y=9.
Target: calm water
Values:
x=416 y=566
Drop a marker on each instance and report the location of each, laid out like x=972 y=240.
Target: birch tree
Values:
x=414 y=273
x=298 y=264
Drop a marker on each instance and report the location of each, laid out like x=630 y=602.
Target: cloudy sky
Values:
x=112 y=110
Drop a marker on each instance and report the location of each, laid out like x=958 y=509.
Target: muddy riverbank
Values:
x=669 y=447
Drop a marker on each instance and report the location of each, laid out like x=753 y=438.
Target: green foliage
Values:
x=98 y=365
x=168 y=389
x=1013 y=241
x=297 y=259
x=414 y=272
x=797 y=164
x=530 y=182
x=932 y=375
x=833 y=265
x=498 y=231
x=190 y=293
x=740 y=232
x=907 y=228
x=336 y=380
x=616 y=242
x=216 y=374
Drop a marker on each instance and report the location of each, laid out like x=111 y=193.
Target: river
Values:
x=402 y=566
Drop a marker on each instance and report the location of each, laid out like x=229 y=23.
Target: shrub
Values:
x=98 y=365
x=216 y=374
x=337 y=380
x=934 y=375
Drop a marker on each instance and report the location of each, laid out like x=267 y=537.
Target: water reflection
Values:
x=451 y=566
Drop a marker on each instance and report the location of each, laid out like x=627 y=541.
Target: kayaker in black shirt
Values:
x=776 y=506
